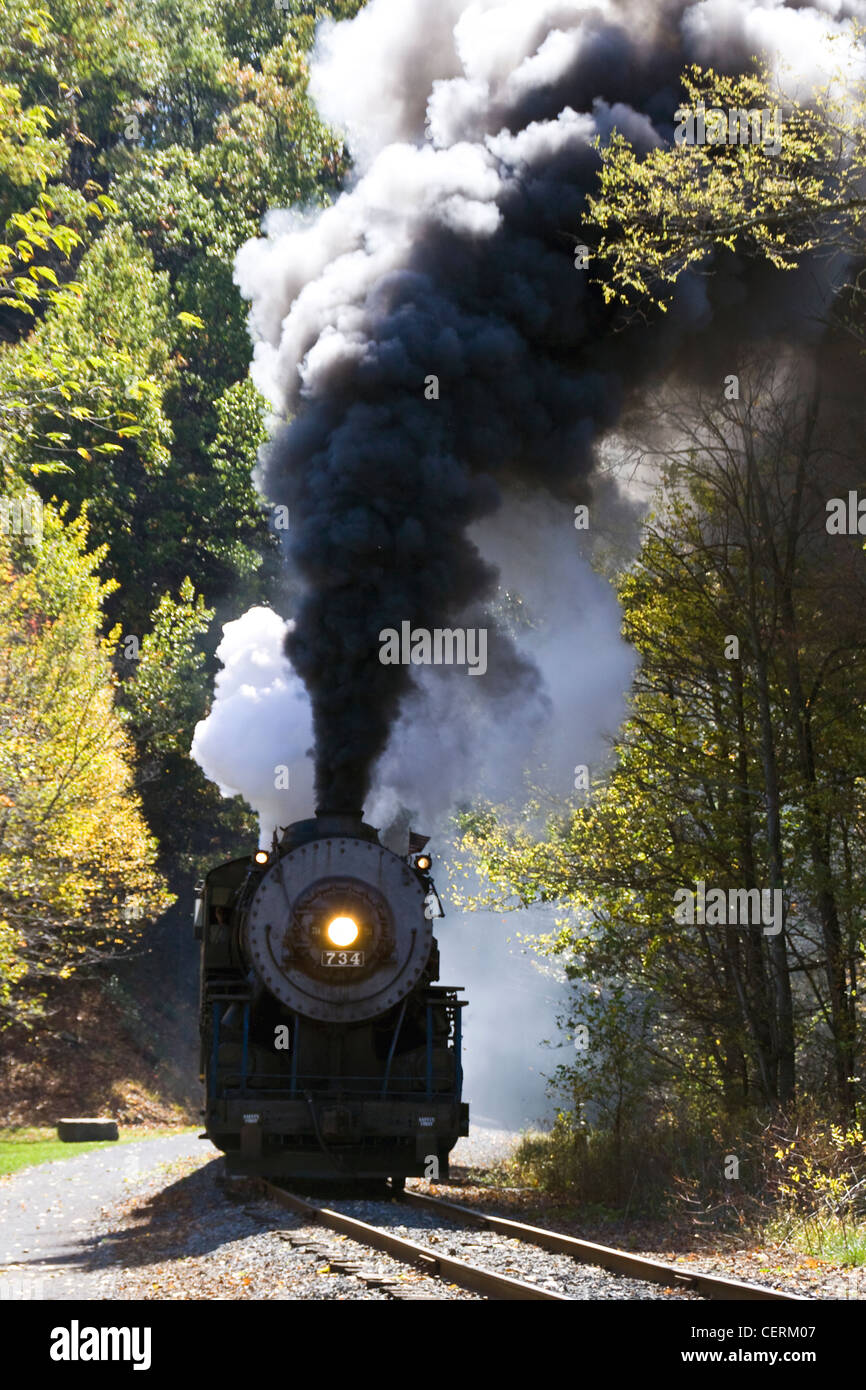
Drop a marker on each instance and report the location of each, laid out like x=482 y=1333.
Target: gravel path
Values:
x=48 y=1214
x=61 y=1221
x=158 y=1220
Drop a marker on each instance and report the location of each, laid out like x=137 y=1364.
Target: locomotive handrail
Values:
x=372 y=1094
x=397 y=1028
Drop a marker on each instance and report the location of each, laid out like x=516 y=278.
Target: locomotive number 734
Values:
x=342 y=957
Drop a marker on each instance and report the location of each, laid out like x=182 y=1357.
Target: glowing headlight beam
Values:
x=342 y=931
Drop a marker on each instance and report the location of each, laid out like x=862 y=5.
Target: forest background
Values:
x=140 y=145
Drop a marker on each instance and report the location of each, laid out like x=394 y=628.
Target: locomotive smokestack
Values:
x=325 y=826
x=339 y=822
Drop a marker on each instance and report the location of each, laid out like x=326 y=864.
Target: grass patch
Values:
x=830 y=1238
x=28 y=1147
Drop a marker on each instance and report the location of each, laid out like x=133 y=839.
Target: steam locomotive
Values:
x=328 y=1050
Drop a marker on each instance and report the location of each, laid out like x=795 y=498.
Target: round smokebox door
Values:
x=336 y=930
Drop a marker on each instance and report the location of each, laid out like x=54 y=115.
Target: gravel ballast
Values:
x=505 y=1254
x=206 y=1237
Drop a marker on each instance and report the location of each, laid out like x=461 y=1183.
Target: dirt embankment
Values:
x=102 y=1049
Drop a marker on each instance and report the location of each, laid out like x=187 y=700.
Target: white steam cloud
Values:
x=256 y=740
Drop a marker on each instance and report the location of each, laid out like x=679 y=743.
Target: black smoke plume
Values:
x=453 y=255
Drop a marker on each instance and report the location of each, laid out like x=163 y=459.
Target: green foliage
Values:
x=123 y=394
x=27 y=154
x=195 y=202
x=140 y=145
x=240 y=432
x=164 y=697
x=660 y=212
x=77 y=864
x=251 y=27
x=743 y=773
x=89 y=394
x=35 y=268
x=613 y=1069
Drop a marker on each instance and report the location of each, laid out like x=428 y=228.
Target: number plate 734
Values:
x=342 y=957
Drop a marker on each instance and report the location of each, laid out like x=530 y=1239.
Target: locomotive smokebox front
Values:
x=336 y=928
x=328 y=1047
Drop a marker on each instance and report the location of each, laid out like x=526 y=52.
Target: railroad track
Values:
x=618 y=1261
x=440 y=1266
x=494 y=1284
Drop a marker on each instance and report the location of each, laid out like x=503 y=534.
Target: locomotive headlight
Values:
x=261 y=856
x=342 y=931
x=423 y=862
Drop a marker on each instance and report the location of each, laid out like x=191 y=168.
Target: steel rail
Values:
x=484 y=1281
x=620 y=1261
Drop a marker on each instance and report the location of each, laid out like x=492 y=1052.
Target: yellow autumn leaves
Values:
x=77 y=864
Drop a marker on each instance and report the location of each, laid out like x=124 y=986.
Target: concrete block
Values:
x=77 y=1130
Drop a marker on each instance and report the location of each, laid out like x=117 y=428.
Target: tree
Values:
x=663 y=210
x=140 y=145
x=739 y=766
x=77 y=864
x=164 y=698
x=35 y=276
x=122 y=396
